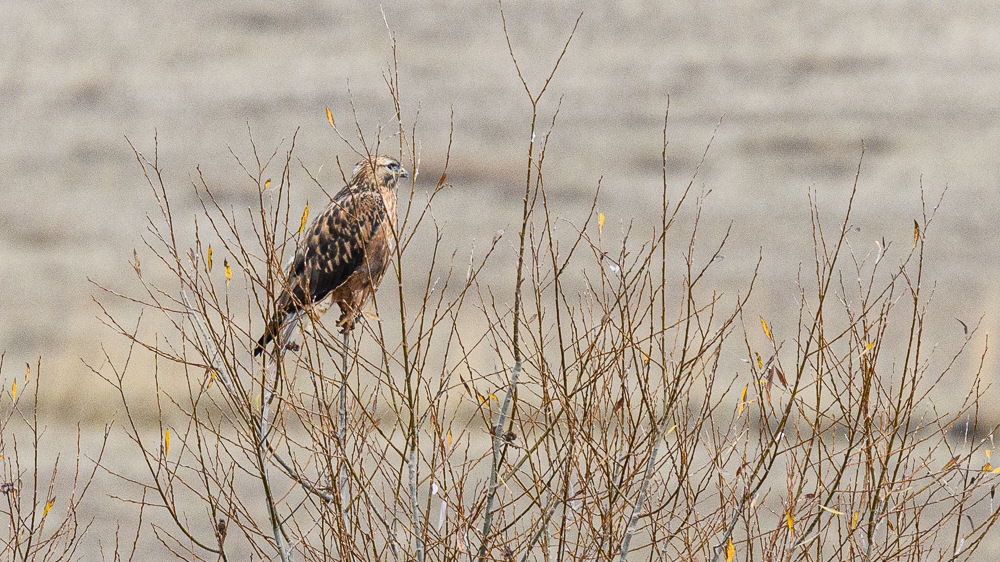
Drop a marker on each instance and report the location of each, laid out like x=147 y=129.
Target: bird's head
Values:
x=380 y=170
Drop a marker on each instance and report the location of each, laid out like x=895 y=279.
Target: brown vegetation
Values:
x=578 y=413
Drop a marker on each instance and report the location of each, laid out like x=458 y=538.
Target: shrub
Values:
x=578 y=414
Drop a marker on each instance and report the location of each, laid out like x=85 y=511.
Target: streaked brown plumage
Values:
x=346 y=249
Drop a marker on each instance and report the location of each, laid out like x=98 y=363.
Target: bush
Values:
x=577 y=414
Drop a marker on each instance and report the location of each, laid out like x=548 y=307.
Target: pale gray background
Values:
x=798 y=86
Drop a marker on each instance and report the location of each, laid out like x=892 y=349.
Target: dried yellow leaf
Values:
x=916 y=232
x=329 y=117
x=48 y=506
x=229 y=271
x=760 y=364
x=763 y=324
x=449 y=438
x=730 y=550
x=27 y=375
x=854 y=520
x=948 y=465
x=781 y=374
x=600 y=222
x=987 y=467
x=166 y=442
x=791 y=529
x=504 y=482
x=305 y=215
x=208 y=257
x=996 y=470
x=743 y=398
x=13 y=390
x=831 y=510
x=671 y=430
x=267 y=183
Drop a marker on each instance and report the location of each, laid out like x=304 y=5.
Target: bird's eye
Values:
x=393 y=166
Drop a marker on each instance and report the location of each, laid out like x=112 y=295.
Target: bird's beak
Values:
x=403 y=173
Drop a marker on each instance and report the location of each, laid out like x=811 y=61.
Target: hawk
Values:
x=346 y=249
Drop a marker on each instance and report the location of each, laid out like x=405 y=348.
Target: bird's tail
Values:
x=270 y=333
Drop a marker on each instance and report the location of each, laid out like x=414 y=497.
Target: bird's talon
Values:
x=346 y=323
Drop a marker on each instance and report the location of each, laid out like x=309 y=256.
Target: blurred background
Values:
x=788 y=89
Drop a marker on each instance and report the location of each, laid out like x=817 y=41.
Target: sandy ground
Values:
x=797 y=86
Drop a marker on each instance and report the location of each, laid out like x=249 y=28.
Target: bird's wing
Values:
x=334 y=247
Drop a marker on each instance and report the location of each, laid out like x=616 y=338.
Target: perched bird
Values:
x=346 y=249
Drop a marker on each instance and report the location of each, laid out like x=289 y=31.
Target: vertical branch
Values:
x=342 y=422
x=412 y=398
x=647 y=478
x=411 y=473
x=504 y=416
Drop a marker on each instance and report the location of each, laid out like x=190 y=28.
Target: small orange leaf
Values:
x=987 y=467
x=449 y=438
x=48 y=506
x=743 y=398
x=305 y=215
x=791 y=529
x=760 y=364
x=854 y=520
x=166 y=442
x=763 y=324
x=329 y=117
x=267 y=183
x=730 y=550
x=208 y=257
x=229 y=271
